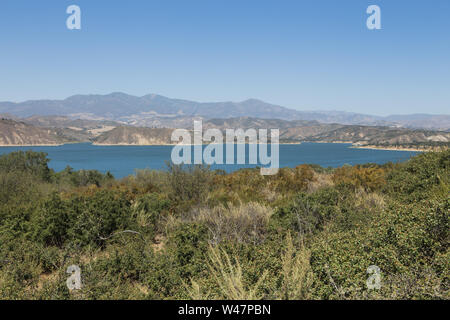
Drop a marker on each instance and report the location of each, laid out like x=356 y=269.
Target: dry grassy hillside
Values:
x=135 y=136
x=381 y=136
x=19 y=133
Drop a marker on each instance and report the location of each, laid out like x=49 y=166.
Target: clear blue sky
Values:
x=307 y=55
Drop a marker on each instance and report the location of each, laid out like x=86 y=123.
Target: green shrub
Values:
x=33 y=163
x=398 y=241
x=189 y=183
x=188 y=243
x=99 y=216
x=149 y=210
x=51 y=222
x=423 y=177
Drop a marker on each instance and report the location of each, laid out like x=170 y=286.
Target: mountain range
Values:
x=158 y=111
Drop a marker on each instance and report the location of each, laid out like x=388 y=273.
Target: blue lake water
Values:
x=123 y=160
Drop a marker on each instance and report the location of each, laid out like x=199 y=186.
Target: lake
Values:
x=123 y=160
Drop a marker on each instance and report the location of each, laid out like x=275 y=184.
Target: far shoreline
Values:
x=172 y=144
x=387 y=148
x=32 y=145
x=355 y=146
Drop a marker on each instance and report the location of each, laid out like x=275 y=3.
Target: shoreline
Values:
x=31 y=145
x=387 y=148
x=164 y=144
x=356 y=146
x=130 y=144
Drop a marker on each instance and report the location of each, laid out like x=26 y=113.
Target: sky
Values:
x=305 y=55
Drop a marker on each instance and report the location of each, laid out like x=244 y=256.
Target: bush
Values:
x=423 y=177
x=188 y=243
x=398 y=241
x=97 y=217
x=189 y=183
x=228 y=276
x=51 y=222
x=307 y=213
x=243 y=223
x=33 y=163
x=82 y=178
x=370 y=178
x=149 y=211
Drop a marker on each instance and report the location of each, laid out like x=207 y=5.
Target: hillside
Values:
x=256 y=123
x=57 y=130
x=295 y=131
x=290 y=132
x=158 y=111
x=135 y=136
x=81 y=130
x=19 y=133
x=425 y=121
x=365 y=135
x=67 y=122
x=313 y=131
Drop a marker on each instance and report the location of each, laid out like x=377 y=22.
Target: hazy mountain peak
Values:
x=253 y=100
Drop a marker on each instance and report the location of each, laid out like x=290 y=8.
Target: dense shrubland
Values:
x=305 y=233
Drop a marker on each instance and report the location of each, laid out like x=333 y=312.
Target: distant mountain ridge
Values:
x=158 y=111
